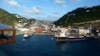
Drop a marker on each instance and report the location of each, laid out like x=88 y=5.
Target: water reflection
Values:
x=81 y=48
x=47 y=46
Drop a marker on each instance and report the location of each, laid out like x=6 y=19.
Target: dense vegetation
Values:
x=11 y=19
x=7 y=18
x=79 y=15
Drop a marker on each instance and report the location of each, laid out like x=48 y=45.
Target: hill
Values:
x=7 y=18
x=12 y=19
x=81 y=16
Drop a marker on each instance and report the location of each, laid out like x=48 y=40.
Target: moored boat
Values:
x=72 y=35
x=27 y=34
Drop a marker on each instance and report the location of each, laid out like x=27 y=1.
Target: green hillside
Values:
x=7 y=18
x=11 y=19
x=80 y=16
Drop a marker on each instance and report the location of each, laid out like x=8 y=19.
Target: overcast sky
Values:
x=50 y=10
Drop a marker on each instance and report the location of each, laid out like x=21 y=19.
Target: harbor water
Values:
x=45 y=45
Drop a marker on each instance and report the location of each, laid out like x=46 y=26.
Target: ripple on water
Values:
x=45 y=45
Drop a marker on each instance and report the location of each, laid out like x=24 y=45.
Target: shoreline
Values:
x=46 y=33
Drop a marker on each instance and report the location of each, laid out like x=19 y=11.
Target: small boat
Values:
x=27 y=34
x=68 y=39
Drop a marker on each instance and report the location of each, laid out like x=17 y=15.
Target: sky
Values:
x=50 y=10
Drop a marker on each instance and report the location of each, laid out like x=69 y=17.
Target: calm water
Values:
x=45 y=45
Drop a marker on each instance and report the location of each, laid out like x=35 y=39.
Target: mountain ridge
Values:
x=82 y=14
